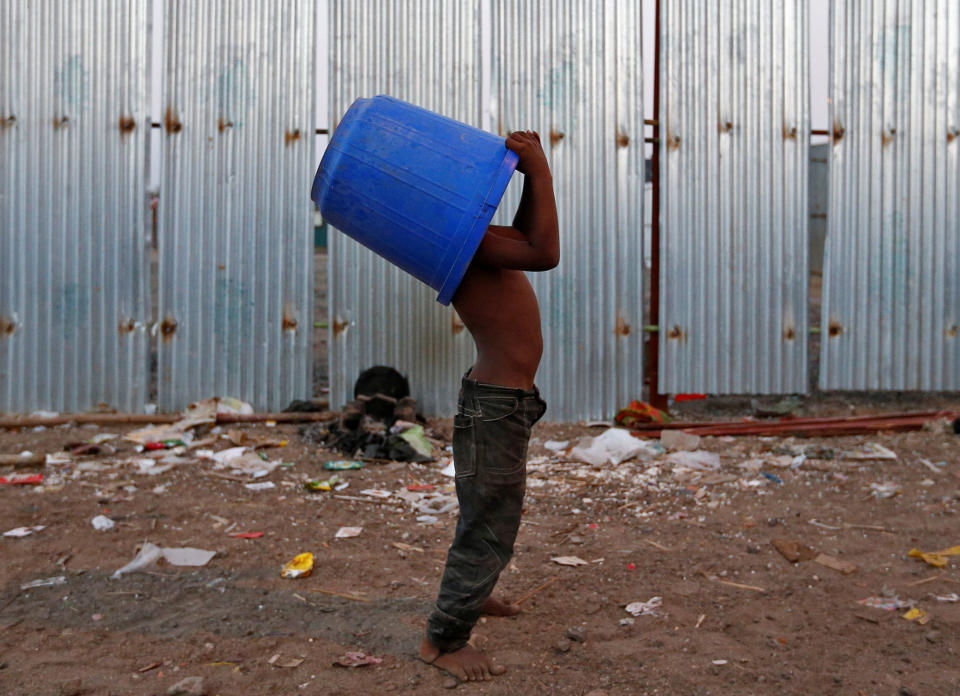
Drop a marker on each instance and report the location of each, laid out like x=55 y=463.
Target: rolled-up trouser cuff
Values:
x=447 y=633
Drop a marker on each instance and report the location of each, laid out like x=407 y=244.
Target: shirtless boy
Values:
x=498 y=406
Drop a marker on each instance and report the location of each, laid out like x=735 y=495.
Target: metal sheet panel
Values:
x=891 y=303
x=571 y=70
x=235 y=218
x=425 y=52
x=74 y=303
x=734 y=124
x=507 y=65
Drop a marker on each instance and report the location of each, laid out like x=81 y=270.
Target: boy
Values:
x=498 y=406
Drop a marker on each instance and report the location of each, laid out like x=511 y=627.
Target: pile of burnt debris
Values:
x=380 y=423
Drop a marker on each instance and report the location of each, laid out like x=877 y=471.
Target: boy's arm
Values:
x=533 y=243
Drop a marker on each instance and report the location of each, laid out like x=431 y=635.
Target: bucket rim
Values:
x=473 y=237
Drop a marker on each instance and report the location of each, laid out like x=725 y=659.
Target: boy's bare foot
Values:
x=466 y=664
x=500 y=607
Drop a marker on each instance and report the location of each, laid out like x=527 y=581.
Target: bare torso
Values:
x=500 y=309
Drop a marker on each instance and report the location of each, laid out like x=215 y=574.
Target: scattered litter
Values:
x=885 y=603
x=772 y=477
x=937 y=559
x=348 y=532
x=817 y=523
x=449 y=470
x=191 y=686
x=679 y=440
x=164 y=444
x=22 y=480
x=718 y=662
x=437 y=505
x=334 y=482
x=648 y=608
x=376 y=493
x=639 y=412
x=697 y=460
x=569 y=561
x=299 y=567
x=100 y=438
x=952 y=597
x=870 y=452
x=260 y=486
x=148 y=555
x=224 y=457
x=357 y=659
x=45 y=582
x=836 y=564
x=936 y=468
x=151 y=467
x=244 y=438
x=753 y=465
x=247 y=535
x=793 y=550
x=243 y=460
x=289 y=662
x=342 y=465
x=158 y=433
x=627 y=621
x=887 y=489
x=612 y=447
x=417 y=439
x=151 y=553
x=556 y=446
x=406 y=547
x=785 y=461
x=23 y=460
x=102 y=523
x=918 y=615
x=187 y=556
x=18 y=532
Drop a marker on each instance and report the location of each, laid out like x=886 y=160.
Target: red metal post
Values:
x=653 y=341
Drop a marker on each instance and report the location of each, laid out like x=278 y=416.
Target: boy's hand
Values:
x=527 y=146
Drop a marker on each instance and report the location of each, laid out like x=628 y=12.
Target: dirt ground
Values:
x=736 y=616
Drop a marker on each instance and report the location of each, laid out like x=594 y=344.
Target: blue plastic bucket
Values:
x=416 y=187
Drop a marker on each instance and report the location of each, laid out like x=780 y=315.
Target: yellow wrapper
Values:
x=300 y=567
x=937 y=559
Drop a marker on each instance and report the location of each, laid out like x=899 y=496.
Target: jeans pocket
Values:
x=494 y=408
x=464 y=447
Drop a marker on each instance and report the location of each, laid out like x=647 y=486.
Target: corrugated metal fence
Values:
x=234 y=257
x=427 y=53
x=567 y=68
x=734 y=125
x=74 y=302
x=891 y=309
x=235 y=218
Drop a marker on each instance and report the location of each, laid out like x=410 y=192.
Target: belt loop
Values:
x=469 y=397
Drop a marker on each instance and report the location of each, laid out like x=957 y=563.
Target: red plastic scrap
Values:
x=357 y=659
x=29 y=480
x=640 y=412
x=247 y=535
